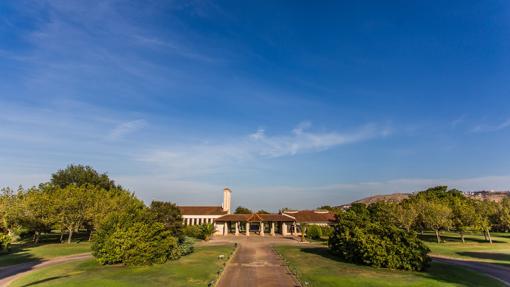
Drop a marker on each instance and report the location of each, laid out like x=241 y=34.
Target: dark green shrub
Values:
x=186 y=246
x=366 y=242
x=313 y=232
x=326 y=230
x=192 y=231
x=134 y=238
x=206 y=231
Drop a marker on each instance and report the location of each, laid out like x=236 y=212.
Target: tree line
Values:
x=385 y=234
x=78 y=198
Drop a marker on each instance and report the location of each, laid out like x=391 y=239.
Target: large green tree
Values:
x=134 y=237
x=11 y=211
x=168 y=214
x=81 y=175
x=38 y=211
x=463 y=216
x=435 y=215
x=362 y=239
x=73 y=205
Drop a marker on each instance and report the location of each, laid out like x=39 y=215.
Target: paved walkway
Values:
x=496 y=271
x=10 y=273
x=255 y=264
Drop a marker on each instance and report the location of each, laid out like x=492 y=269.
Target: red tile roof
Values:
x=201 y=210
x=255 y=217
x=312 y=216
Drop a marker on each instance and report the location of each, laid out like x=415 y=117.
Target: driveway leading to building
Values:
x=10 y=273
x=255 y=264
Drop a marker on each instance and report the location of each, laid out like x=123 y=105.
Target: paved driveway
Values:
x=256 y=265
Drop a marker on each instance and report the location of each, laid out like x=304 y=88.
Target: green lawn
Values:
x=315 y=265
x=475 y=248
x=196 y=269
x=25 y=253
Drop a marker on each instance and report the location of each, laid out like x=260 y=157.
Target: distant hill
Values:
x=496 y=196
x=395 y=197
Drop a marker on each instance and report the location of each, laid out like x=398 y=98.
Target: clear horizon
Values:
x=286 y=103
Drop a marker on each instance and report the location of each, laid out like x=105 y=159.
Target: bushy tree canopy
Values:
x=358 y=238
x=242 y=210
x=81 y=175
x=134 y=237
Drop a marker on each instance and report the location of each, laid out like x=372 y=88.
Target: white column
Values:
x=225 y=228
x=247 y=229
x=237 y=228
x=261 y=228
x=284 y=229
x=272 y=228
x=294 y=232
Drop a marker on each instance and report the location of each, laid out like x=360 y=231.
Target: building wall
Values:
x=201 y=219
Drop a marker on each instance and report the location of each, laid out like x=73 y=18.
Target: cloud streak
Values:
x=491 y=128
x=210 y=158
x=126 y=128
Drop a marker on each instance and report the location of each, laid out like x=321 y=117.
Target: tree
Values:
x=384 y=212
x=11 y=211
x=168 y=214
x=485 y=213
x=262 y=211
x=134 y=237
x=405 y=215
x=73 y=205
x=463 y=216
x=435 y=215
x=38 y=213
x=359 y=239
x=81 y=175
x=106 y=202
x=314 y=231
x=242 y=210
x=504 y=215
x=207 y=231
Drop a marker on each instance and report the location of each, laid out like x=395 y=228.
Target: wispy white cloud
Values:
x=491 y=128
x=214 y=157
x=125 y=128
x=458 y=121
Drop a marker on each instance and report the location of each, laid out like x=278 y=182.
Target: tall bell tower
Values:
x=227 y=198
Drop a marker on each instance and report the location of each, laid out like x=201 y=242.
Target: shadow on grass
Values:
x=44 y=280
x=456 y=239
x=15 y=256
x=486 y=255
x=440 y=272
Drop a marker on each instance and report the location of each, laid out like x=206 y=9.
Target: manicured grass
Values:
x=196 y=269
x=475 y=247
x=315 y=265
x=25 y=253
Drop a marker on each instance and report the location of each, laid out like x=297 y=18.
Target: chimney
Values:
x=227 y=195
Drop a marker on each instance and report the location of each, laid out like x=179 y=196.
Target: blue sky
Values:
x=290 y=103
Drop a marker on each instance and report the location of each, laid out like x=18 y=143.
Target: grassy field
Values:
x=317 y=267
x=475 y=248
x=25 y=251
x=196 y=269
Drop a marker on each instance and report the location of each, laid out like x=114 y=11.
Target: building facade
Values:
x=287 y=223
